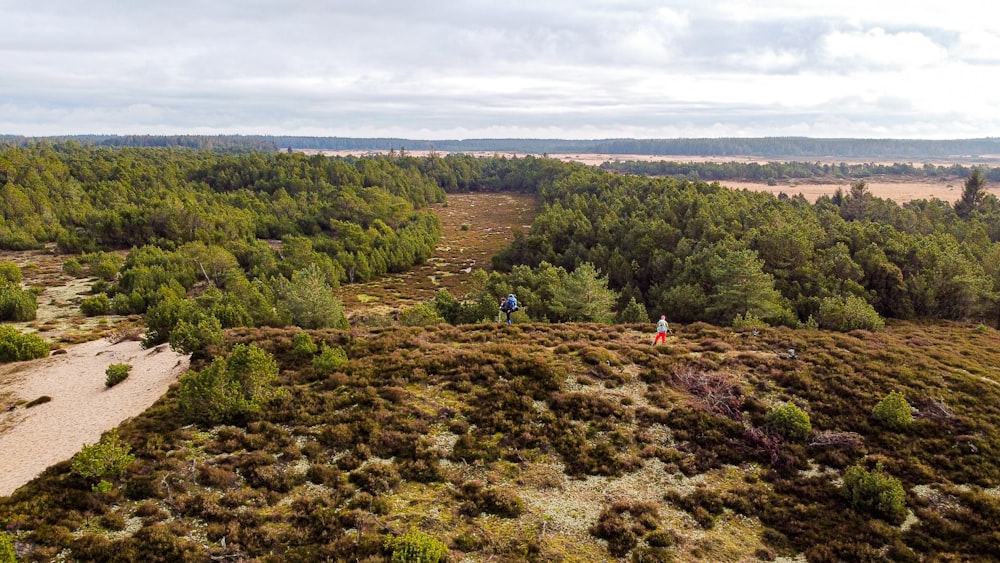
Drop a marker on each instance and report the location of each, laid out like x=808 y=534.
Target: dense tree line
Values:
x=216 y=240
x=699 y=251
x=789 y=147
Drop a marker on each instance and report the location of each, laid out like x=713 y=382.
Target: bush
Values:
x=303 y=345
x=329 y=360
x=189 y=337
x=17 y=347
x=108 y=458
x=7 y=553
x=875 y=492
x=72 y=267
x=96 y=305
x=16 y=304
x=893 y=411
x=790 y=421
x=416 y=547
x=229 y=388
x=10 y=272
x=633 y=312
x=115 y=374
x=845 y=314
x=420 y=315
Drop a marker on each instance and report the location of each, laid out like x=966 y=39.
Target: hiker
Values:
x=662 y=328
x=508 y=306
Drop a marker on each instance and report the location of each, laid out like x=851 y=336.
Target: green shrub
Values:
x=845 y=314
x=748 y=321
x=190 y=337
x=103 y=265
x=416 y=547
x=875 y=492
x=893 y=411
x=72 y=267
x=303 y=345
x=420 y=315
x=229 y=388
x=329 y=360
x=790 y=421
x=115 y=374
x=633 y=312
x=10 y=272
x=108 y=458
x=17 y=347
x=16 y=304
x=96 y=305
x=7 y=553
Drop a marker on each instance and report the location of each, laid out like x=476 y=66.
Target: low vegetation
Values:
x=547 y=442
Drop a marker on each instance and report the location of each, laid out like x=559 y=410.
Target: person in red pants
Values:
x=662 y=328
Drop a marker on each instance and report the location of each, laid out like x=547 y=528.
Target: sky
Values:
x=463 y=69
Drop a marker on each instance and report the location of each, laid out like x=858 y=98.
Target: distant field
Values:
x=900 y=190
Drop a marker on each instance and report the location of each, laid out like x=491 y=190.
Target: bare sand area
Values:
x=81 y=406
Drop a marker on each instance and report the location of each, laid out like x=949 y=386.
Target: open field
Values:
x=899 y=190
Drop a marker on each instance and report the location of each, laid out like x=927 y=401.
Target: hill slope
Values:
x=570 y=442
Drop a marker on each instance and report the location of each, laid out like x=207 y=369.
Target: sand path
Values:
x=81 y=409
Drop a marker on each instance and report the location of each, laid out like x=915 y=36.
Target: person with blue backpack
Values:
x=508 y=306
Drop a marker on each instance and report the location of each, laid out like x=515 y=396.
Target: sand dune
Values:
x=82 y=407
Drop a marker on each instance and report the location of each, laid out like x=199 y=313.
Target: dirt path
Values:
x=81 y=406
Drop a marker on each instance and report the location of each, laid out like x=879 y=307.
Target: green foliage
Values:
x=329 y=359
x=848 y=313
x=303 y=346
x=10 y=272
x=107 y=459
x=790 y=421
x=748 y=321
x=633 y=312
x=102 y=265
x=116 y=373
x=893 y=411
x=193 y=337
x=16 y=304
x=308 y=300
x=416 y=547
x=72 y=267
x=229 y=388
x=7 y=553
x=17 y=347
x=420 y=315
x=95 y=305
x=875 y=492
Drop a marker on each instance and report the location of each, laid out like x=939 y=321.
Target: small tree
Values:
x=229 y=388
x=893 y=411
x=875 y=492
x=329 y=359
x=107 y=459
x=973 y=194
x=633 y=312
x=115 y=374
x=790 y=421
x=849 y=313
x=303 y=345
x=190 y=337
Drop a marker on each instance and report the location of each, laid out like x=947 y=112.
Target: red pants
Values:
x=660 y=336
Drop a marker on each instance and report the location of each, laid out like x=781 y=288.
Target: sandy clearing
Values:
x=81 y=409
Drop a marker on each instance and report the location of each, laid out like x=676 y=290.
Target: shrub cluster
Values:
x=7 y=554
x=115 y=374
x=107 y=459
x=790 y=421
x=875 y=492
x=16 y=304
x=96 y=305
x=229 y=388
x=848 y=313
x=17 y=347
x=893 y=411
x=416 y=547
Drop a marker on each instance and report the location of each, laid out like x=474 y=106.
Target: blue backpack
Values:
x=510 y=305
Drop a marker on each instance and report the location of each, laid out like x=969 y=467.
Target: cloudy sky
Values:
x=579 y=69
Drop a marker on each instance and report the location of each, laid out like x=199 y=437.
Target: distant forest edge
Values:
x=766 y=147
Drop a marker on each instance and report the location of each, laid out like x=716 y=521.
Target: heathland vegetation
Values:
x=829 y=388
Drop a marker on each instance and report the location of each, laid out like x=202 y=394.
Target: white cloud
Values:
x=880 y=49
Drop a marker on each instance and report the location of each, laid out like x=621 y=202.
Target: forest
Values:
x=828 y=391
x=769 y=147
